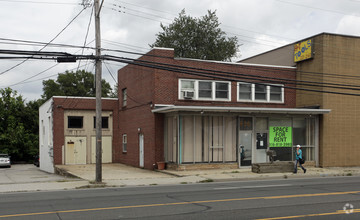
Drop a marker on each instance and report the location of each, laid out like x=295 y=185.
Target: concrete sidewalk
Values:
x=120 y=175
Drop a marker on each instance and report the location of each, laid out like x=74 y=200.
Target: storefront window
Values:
x=280 y=134
x=299 y=128
x=202 y=139
x=304 y=135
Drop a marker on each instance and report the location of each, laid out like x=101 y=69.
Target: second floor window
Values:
x=204 y=90
x=124 y=97
x=260 y=92
x=248 y=92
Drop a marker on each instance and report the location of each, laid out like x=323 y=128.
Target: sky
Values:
x=131 y=25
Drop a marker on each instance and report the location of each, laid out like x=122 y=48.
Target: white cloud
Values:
x=260 y=25
x=349 y=25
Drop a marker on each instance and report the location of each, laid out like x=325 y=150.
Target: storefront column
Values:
x=317 y=158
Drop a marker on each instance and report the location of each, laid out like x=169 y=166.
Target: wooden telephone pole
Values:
x=98 y=67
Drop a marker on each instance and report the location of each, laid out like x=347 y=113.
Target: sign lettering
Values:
x=280 y=136
x=303 y=51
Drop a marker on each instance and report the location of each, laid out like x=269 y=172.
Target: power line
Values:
x=166 y=67
x=322 y=9
x=87 y=32
x=13 y=67
x=330 y=85
x=140 y=6
x=39 y=2
x=124 y=12
x=271 y=79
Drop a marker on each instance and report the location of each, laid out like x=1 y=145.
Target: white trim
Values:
x=161 y=48
x=238 y=64
x=78 y=97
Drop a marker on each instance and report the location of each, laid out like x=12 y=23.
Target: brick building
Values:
x=333 y=60
x=186 y=111
x=67 y=131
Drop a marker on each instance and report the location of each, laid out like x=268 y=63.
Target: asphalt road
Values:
x=313 y=198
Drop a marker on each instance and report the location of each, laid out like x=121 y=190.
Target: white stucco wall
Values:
x=46 y=137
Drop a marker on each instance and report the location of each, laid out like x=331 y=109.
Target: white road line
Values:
x=249 y=187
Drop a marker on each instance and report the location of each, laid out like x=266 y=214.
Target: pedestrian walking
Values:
x=298 y=159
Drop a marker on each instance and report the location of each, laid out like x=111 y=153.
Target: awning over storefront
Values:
x=174 y=108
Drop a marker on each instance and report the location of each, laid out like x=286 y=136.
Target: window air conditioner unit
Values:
x=188 y=94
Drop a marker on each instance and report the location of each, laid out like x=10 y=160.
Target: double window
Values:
x=204 y=90
x=248 y=92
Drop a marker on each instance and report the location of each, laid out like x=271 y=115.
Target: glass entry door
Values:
x=245 y=142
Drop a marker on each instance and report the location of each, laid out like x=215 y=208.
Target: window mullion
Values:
x=213 y=90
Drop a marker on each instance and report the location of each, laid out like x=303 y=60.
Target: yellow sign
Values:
x=303 y=51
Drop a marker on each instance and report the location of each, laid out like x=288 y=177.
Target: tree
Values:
x=199 y=38
x=79 y=83
x=18 y=126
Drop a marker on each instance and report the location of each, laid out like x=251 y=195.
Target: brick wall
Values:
x=70 y=103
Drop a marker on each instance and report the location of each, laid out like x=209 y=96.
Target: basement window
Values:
x=75 y=121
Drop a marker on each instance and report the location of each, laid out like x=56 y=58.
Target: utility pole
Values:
x=98 y=68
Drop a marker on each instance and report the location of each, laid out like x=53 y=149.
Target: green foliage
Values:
x=80 y=83
x=199 y=38
x=18 y=126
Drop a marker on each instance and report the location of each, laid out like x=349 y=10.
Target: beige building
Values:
x=327 y=76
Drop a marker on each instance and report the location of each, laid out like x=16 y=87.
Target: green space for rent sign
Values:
x=280 y=136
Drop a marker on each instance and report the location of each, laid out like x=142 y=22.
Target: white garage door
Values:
x=106 y=149
x=75 y=150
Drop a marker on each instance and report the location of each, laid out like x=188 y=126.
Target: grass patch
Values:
x=91 y=186
x=206 y=181
x=183 y=183
x=153 y=184
x=349 y=174
x=235 y=171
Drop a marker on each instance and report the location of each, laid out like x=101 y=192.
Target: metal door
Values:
x=141 y=150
